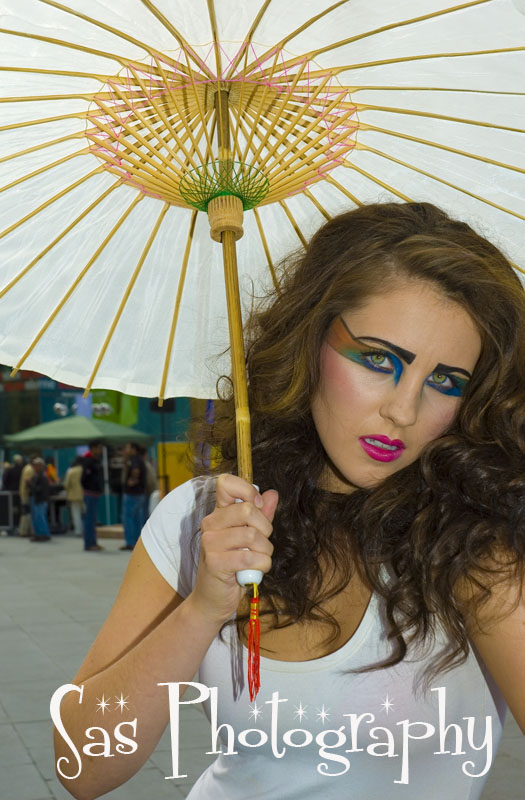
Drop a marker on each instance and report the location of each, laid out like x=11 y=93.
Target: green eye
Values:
x=377 y=358
x=447 y=384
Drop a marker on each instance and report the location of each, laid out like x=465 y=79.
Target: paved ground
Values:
x=53 y=600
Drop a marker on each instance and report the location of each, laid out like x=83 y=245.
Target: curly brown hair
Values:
x=456 y=514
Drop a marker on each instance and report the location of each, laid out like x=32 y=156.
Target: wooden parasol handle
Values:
x=225 y=215
x=240 y=388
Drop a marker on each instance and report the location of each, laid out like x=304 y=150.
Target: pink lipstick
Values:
x=381 y=448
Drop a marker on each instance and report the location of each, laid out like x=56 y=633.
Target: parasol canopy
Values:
x=124 y=123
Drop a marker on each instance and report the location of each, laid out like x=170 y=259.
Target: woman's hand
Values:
x=229 y=529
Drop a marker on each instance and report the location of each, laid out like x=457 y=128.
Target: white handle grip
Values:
x=245 y=577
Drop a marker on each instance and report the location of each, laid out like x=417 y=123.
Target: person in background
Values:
x=25 y=527
x=11 y=483
x=151 y=486
x=51 y=471
x=134 y=491
x=92 y=485
x=11 y=475
x=75 y=494
x=39 y=496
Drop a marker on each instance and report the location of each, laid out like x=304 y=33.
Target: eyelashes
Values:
x=456 y=387
x=379 y=361
x=388 y=363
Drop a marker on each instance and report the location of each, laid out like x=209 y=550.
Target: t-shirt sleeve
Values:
x=171 y=535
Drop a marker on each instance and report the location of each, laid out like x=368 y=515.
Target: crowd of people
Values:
x=33 y=482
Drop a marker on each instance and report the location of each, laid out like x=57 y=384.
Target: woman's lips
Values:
x=391 y=449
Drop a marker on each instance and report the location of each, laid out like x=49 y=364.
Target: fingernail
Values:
x=259 y=502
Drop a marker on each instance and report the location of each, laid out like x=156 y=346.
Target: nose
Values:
x=401 y=404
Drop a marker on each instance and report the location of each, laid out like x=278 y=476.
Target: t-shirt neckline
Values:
x=350 y=648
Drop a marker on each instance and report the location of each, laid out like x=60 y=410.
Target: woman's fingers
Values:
x=236 y=515
x=234 y=537
x=231 y=488
x=270 y=502
x=237 y=538
x=224 y=564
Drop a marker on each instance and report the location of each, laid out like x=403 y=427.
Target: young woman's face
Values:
x=392 y=377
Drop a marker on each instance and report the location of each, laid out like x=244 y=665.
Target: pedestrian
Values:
x=25 y=527
x=75 y=494
x=134 y=494
x=11 y=483
x=11 y=474
x=92 y=486
x=39 y=497
x=51 y=471
x=151 y=486
x=386 y=380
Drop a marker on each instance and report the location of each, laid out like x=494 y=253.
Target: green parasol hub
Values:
x=224 y=178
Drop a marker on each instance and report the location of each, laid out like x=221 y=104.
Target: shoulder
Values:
x=191 y=501
x=171 y=534
x=496 y=625
x=496 y=572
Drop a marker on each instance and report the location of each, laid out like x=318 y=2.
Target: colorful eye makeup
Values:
x=447 y=384
x=381 y=360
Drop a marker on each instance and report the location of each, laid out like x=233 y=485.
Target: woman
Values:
x=386 y=393
x=75 y=495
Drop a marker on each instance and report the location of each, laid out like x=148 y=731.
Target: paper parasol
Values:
x=121 y=121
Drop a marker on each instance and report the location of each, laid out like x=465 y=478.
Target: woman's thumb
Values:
x=270 y=499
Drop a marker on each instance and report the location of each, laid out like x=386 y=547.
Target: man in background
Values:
x=11 y=483
x=152 y=490
x=92 y=485
x=11 y=476
x=75 y=495
x=25 y=527
x=39 y=497
x=134 y=494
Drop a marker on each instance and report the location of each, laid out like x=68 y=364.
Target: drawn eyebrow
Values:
x=406 y=355
x=447 y=369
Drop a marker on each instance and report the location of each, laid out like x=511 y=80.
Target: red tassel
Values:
x=254 y=638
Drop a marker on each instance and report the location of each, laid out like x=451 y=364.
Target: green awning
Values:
x=75 y=430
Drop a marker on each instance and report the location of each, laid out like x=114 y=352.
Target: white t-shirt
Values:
x=317 y=731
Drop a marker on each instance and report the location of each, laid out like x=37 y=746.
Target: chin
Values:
x=347 y=481
x=335 y=480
